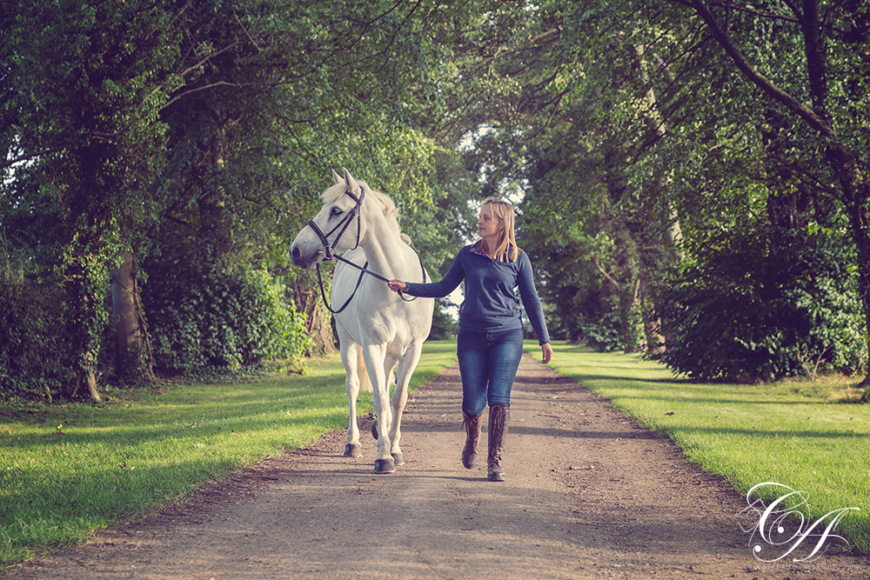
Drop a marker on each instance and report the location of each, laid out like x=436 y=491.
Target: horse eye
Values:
x=336 y=211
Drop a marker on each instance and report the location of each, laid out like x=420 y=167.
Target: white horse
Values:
x=377 y=328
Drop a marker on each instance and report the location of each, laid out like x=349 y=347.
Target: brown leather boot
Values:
x=499 y=417
x=472 y=424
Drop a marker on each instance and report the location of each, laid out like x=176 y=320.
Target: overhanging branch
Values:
x=754 y=76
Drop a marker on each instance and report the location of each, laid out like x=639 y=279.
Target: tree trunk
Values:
x=655 y=341
x=318 y=322
x=216 y=228
x=92 y=384
x=860 y=222
x=673 y=234
x=125 y=317
x=91 y=379
x=86 y=291
x=88 y=370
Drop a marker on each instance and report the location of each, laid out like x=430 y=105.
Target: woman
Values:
x=490 y=341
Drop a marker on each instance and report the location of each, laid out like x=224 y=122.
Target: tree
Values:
x=833 y=76
x=79 y=126
x=623 y=116
x=577 y=123
x=216 y=124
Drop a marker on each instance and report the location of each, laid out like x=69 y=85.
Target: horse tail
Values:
x=365 y=383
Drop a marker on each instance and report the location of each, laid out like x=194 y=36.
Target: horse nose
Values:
x=295 y=255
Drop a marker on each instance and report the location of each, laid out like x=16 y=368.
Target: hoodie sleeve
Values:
x=448 y=284
x=531 y=302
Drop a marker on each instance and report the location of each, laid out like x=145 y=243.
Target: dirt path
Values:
x=589 y=494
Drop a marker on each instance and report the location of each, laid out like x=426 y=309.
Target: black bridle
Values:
x=329 y=250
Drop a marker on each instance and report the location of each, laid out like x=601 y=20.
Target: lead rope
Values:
x=363 y=271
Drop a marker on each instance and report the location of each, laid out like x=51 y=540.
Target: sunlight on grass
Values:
x=797 y=433
x=68 y=470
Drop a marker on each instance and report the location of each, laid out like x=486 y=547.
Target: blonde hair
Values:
x=507 y=249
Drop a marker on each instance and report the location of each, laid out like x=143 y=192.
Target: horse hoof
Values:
x=385 y=466
x=375 y=430
x=352 y=450
x=398 y=458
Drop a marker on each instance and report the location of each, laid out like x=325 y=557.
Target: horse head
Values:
x=337 y=227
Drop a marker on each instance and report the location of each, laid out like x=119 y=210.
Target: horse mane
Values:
x=391 y=213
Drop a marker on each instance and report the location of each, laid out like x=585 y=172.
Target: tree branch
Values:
x=758 y=79
x=613 y=281
x=755 y=12
x=501 y=52
x=815 y=52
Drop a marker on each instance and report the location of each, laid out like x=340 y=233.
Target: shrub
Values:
x=762 y=306
x=443 y=325
x=614 y=327
x=36 y=355
x=228 y=320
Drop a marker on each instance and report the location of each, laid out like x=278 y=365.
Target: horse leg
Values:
x=374 y=358
x=391 y=380
x=407 y=364
x=351 y=358
x=395 y=451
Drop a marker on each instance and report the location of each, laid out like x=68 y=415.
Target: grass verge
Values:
x=807 y=435
x=69 y=470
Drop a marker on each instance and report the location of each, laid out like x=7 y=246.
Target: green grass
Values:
x=69 y=470
x=804 y=434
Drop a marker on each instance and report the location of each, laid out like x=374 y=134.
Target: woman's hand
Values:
x=396 y=285
x=547 y=352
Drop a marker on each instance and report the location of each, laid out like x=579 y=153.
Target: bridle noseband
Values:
x=329 y=250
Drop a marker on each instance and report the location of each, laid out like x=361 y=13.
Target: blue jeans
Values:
x=488 y=364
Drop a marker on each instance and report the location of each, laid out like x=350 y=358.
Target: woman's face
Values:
x=488 y=225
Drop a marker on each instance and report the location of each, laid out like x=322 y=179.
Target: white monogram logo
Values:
x=779 y=531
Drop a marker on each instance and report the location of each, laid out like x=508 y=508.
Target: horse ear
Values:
x=351 y=182
x=336 y=176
